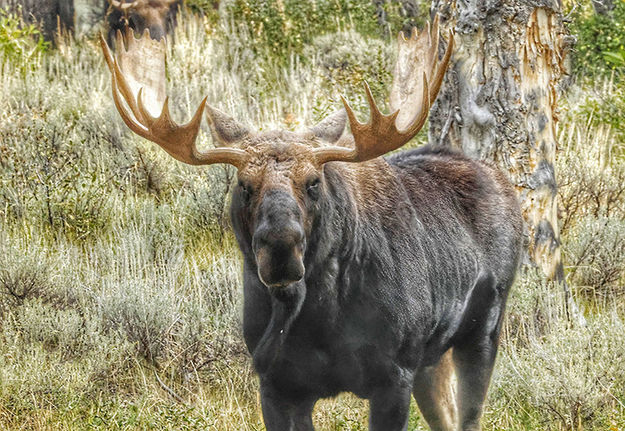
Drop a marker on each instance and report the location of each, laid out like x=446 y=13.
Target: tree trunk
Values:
x=499 y=103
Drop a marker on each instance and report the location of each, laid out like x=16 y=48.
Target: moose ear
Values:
x=331 y=128
x=225 y=130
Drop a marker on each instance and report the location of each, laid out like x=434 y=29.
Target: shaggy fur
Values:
x=406 y=259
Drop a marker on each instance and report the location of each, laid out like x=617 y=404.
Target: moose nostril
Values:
x=279 y=264
x=258 y=242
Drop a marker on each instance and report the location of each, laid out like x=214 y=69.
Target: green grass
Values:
x=120 y=281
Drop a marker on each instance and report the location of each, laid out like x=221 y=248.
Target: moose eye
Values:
x=313 y=188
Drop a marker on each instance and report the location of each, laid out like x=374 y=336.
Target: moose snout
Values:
x=279 y=255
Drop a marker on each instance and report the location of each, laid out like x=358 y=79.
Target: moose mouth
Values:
x=279 y=267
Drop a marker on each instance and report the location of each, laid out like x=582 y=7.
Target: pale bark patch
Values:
x=541 y=68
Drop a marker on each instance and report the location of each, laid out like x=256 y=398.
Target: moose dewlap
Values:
x=385 y=277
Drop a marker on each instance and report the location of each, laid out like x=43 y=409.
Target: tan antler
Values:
x=119 y=5
x=145 y=58
x=417 y=79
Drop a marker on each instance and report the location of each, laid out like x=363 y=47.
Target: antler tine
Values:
x=147 y=117
x=442 y=68
x=418 y=78
x=114 y=69
x=122 y=6
x=422 y=114
x=124 y=88
x=433 y=44
x=179 y=141
x=375 y=111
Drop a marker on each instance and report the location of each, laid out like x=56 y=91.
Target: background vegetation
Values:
x=120 y=285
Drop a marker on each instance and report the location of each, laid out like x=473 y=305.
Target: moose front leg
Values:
x=390 y=408
x=281 y=414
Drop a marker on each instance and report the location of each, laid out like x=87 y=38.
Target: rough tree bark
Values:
x=499 y=103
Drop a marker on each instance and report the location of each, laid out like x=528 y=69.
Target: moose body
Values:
x=382 y=277
x=407 y=258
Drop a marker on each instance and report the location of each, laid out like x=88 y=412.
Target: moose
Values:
x=384 y=277
x=158 y=16
x=52 y=15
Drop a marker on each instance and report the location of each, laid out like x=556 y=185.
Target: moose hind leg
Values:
x=474 y=351
x=474 y=365
x=435 y=393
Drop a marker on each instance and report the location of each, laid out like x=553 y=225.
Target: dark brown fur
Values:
x=403 y=259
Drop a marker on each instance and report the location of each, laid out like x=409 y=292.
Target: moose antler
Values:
x=417 y=79
x=144 y=62
x=119 y=5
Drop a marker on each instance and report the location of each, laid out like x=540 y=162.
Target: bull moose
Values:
x=378 y=276
x=158 y=16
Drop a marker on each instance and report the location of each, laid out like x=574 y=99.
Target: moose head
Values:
x=157 y=16
x=281 y=187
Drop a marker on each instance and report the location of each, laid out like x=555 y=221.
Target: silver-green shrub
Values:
x=595 y=251
x=552 y=369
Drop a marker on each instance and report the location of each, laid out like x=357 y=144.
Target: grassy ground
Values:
x=120 y=286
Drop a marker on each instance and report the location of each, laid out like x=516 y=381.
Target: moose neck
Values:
x=362 y=202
